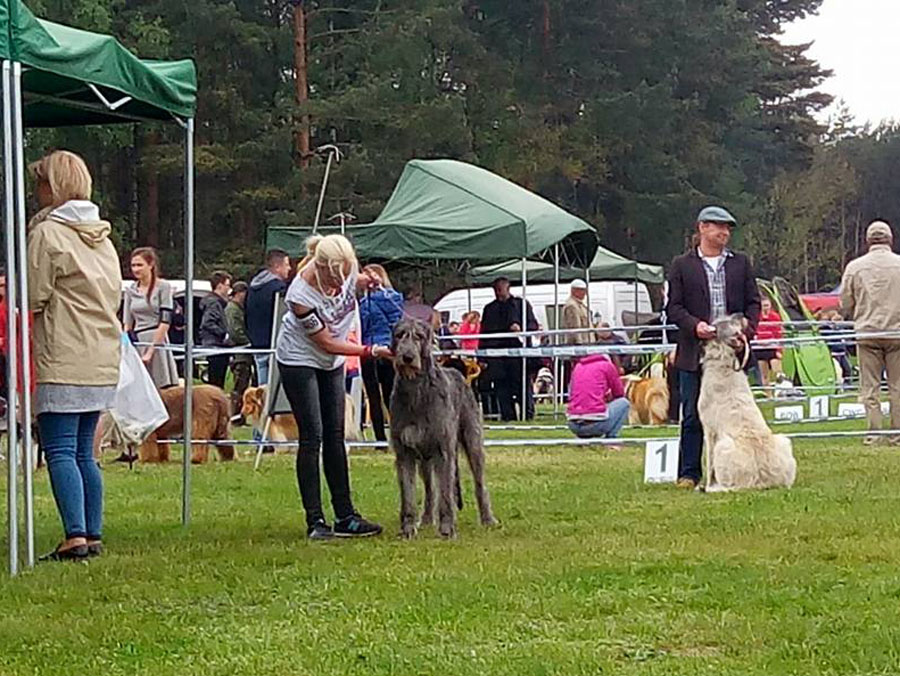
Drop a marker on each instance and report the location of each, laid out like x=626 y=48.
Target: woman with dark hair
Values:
x=147 y=316
x=380 y=309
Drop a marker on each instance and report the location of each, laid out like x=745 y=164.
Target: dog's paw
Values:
x=448 y=531
x=427 y=520
x=490 y=521
x=408 y=531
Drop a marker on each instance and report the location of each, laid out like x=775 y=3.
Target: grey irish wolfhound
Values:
x=433 y=412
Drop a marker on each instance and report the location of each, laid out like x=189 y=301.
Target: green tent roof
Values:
x=60 y=63
x=607 y=265
x=449 y=210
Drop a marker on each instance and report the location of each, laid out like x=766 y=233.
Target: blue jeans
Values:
x=68 y=443
x=691 y=450
x=611 y=428
x=262 y=378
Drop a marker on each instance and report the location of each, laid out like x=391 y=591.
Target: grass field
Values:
x=591 y=572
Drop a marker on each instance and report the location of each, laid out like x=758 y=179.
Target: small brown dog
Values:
x=649 y=399
x=284 y=426
x=211 y=413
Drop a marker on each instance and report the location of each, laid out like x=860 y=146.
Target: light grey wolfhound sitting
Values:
x=433 y=412
x=741 y=450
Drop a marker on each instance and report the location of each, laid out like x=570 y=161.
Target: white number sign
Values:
x=851 y=410
x=885 y=408
x=661 y=461
x=793 y=413
x=818 y=407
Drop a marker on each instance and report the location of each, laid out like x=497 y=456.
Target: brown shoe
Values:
x=686 y=483
x=872 y=440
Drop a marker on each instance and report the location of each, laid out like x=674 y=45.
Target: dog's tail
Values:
x=658 y=401
x=459 y=499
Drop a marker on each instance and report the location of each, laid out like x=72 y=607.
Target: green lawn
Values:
x=591 y=572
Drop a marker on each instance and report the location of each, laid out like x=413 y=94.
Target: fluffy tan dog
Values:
x=283 y=426
x=742 y=452
x=211 y=414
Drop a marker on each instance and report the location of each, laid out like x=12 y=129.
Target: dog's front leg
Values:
x=406 y=477
x=446 y=469
x=709 y=442
x=426 y=470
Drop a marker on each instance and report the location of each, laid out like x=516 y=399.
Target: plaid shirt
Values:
x=716 y=281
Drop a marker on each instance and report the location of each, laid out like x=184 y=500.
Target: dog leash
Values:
x=741 y=364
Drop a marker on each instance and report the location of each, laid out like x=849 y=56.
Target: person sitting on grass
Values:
x=597 y=403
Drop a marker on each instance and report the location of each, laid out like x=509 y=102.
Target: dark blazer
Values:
x=689 y=301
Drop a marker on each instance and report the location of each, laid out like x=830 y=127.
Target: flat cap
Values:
x=713 y=214
x=578 y=284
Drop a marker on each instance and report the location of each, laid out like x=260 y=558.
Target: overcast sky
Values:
x=857 y=39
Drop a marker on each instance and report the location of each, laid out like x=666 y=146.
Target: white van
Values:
x=606 y=299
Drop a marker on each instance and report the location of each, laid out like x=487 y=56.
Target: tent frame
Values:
x=17 y=295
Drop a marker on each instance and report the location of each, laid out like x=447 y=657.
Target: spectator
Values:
x=4 y=346
x=416 y=307
x=831 y=327
x=769 y=357
x=471 y=326
x=75 y=287
x=148 y=312
x=606 y=337
x=310 y=350
x=214 y=328
x=241 y=364
x=380 y=309
x=445 y=340
x=708 y=282
x=260 y=307
x=575 y=314
x=597 y=403
x=870 y=296
x=504 y=315
x=3 y=285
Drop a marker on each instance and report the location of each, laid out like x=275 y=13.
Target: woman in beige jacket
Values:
x=75 y=285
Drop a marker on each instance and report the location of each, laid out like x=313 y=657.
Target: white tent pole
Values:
x=524 y=325
x=187 y=434
x=12 y=348
x=333 y=153
x=557 y=372
x=24 y=328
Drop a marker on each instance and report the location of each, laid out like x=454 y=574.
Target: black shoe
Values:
x=126 y=457
x=354 y=526
x=320 y=531
x=94 y=549
x=78 y=553
x=268 y=449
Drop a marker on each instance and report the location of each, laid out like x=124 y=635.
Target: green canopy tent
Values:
x=606 y=265
x=54 y=75
x=448 y=210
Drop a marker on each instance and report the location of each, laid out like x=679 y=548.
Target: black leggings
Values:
x=378 y=377
x=317 y=401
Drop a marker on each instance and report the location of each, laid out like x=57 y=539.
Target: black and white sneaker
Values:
x=354 y=526
x=320 y=531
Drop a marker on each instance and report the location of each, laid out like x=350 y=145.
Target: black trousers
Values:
x=317 y=401
x=218 y=368
x=506 y=375
x=378 y=379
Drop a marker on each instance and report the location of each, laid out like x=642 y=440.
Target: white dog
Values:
x=742 y=452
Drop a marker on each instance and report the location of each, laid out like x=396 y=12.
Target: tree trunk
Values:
x=545 y=36
x=301 y=82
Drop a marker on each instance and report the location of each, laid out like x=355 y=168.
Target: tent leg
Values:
x=524 y=402
x=331 y=153
x=12 y=454
x=24 y=328
x=557 y=372
x=187 y=434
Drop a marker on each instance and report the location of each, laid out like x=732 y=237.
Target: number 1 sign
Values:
x=661 y=461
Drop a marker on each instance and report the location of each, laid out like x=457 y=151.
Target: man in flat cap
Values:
x=870 y=296
x=705 y=284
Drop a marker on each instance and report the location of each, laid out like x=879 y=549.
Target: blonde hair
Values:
x=332 y=252
x=381 y=272
x=66 y=174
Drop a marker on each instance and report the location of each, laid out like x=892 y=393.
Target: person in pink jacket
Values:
x=597 y=403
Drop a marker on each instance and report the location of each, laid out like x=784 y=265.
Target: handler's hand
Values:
x=382 y=352
x=147 y=357
x=705 y=331
x=515 y=328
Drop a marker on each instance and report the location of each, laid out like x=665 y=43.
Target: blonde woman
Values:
x=310 y=350
x=148 y=310
x=75 y=285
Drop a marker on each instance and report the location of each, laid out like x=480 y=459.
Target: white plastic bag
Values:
x=138 y=409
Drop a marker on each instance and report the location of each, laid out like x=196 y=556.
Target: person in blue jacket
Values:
x=379 y=310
